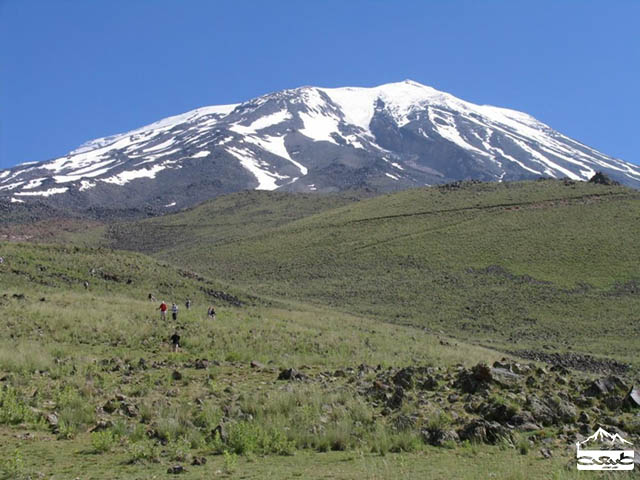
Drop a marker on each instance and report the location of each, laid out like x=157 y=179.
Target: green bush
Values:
x=243 y=438
x=103 y=441
x=75 y=413
x=230 y=462
x=12 y=467
x=178 y=450
x=145 y=451
x=13 y=409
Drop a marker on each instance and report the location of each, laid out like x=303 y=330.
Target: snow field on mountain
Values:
x=266 y=180
x=489 y=136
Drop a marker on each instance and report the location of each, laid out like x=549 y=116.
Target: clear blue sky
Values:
x=71 y=71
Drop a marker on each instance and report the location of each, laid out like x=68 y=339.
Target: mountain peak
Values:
x=388 y=137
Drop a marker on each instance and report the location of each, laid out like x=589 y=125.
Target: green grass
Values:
x=434 y=278
x=71 y=461
x=220 y=221
x=76 y=353
x=515 y=265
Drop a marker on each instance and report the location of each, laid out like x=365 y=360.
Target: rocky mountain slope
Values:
x=309 y=139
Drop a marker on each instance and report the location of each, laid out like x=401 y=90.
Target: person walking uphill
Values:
x=174 y=311
x=175 y=341
x=163 y=311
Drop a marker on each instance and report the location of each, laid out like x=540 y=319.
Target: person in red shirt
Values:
x=163 y=311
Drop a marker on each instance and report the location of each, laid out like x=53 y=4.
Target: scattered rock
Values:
x=199 y=461
x=575 y=361
x=101 y=425
x=605 y=386
x=601 y=178
x=504 y=376
x=439 y=437
x=404 y=378
x=632 y=400
x=176 y=375
x=482 y=431
x=403 y=422
x=52 y=421
x=110 y=406
x=257 y=365
x=546 y=453
x=130 y=410
x=176 y=469
x=429 y=383
x=396 y=399
x=529 y=427
x=471 y=381
x=539 y=410
x=291 y=374
x=563 y=410
x=220 y=431
x=201 y=364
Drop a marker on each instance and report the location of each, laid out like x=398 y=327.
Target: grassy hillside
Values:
x=220 y=221
x=97 y=360
x=538 y=265
x=89 y=387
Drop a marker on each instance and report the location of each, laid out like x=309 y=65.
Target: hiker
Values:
x=175 y=340
x=174 y=311
x=163 y=311
x=211 y=313
x=188 y=304
x=86 y=285
x=152 y=298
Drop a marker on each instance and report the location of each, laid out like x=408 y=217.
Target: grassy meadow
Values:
x=537 y=265
x=349 y=292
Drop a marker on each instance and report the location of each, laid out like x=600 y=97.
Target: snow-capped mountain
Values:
x=389 y=137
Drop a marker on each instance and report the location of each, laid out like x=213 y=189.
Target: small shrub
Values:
x=103 y=441
x=233 y=357
x=208 y=417
x=217 y=445
x=276 y=442
x=230 y=462
x=405 y=442
x=439 y=421
x=173 y=424
x=522 y=444
x=144 y=451
x=338 y=436
x=65 y=431
x=380 y=441
x=178 y=450
x=13 y=409
x=243 y=438
x=137 y=433
x=12 y=467
x=75 y=413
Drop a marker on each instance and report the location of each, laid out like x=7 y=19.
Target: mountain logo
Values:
x=613 y=452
